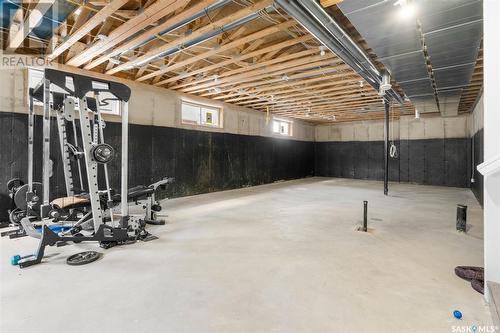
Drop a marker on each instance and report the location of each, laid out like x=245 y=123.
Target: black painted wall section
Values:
x=206 y=161
x=477 y=141
x=431 y=162
x=200 y=161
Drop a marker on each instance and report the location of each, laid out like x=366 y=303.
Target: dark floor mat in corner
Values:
x=470 y=273
x=478 y=285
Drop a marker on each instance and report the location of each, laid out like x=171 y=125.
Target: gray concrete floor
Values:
x=283 y=257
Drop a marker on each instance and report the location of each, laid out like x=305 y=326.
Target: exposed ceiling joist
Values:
x=149 y=16
x=85 y=26
x=269 y=62
x=271 y=48
x=146 y=35
x=226 y=47
x=181 y=40
x=329 y=3
x=276 y=70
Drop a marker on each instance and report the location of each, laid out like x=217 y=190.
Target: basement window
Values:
x=109 y=104
x=201 y=115
x=35 y=76
x=282 y=127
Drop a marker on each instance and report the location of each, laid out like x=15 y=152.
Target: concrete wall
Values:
x=405 y=128
x=431 y=150
x=476 y=118
x=476 y=124
x=202 y=159
x=150 y=105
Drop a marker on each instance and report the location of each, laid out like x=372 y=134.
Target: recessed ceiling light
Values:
x=406 y=10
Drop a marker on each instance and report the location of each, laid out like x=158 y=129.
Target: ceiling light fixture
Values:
x=406 y=10
x=385 y=85
x=322 y=50
x=284 y=77
x=78 y=11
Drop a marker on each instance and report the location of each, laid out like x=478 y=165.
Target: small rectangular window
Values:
x=198 y=114
x=35 y=76
x=109 y=104
x=282 y=127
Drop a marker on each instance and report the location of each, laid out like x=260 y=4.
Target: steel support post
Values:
x=386 y=148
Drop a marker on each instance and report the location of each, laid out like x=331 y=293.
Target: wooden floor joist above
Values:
x=245 y=52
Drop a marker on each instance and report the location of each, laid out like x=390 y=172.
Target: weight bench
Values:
x=135 y=194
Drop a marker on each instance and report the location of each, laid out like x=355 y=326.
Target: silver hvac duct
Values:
x=447 y=35
x=187 y=20
x=201 y=39
x=315 y=20
x=342 y=38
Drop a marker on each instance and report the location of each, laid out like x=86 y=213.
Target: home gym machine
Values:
x=94 y=214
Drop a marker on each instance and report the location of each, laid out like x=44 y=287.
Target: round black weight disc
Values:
x=16 y=215
x=14 y=183
x=83 y=258
x=103 y=153
x=20 y=196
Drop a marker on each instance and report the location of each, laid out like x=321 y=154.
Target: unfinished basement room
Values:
x=250 y=166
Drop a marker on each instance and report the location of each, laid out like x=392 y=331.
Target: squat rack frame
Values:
x=78 y=86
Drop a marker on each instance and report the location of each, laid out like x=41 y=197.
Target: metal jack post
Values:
x=365 y=216
x=386 y=148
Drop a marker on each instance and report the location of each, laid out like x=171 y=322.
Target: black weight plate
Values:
x=16 y=215
x=20 y=196
x=82 y=258
x=77 y=235
x=14 y=183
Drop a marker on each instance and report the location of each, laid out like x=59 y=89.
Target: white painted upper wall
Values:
x=150 y=105
x=405 y=128
x=476 y=118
